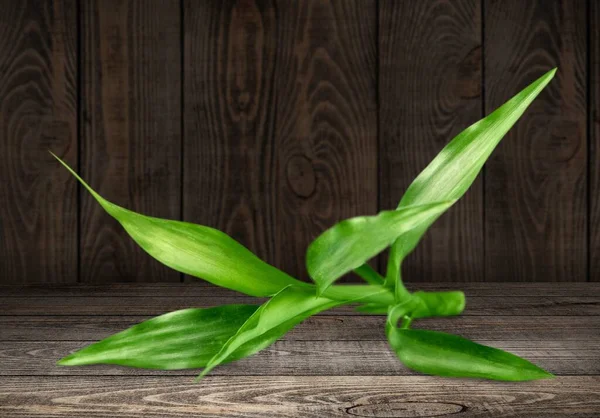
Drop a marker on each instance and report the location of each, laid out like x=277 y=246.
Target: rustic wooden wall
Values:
x=273 y=119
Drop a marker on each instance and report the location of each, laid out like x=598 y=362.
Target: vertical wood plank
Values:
x=536 y=180
x=38 y=99
x=131 y=129
x=430 y=90
x=228 y=152
x=594 y=123
x=326 y=121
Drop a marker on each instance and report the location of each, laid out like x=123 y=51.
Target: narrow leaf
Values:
x=271 y=321
x=198 y=250
x=350 y=243
x=455 y=168
x=183 y=339
x=442 y=354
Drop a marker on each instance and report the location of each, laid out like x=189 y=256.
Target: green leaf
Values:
x=455 y=168
x=198 y=250
x=442 y=354
x=271 y=321
x=423 y=305
x=183 y=339
x=350 y=243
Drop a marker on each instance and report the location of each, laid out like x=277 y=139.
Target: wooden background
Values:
x=272 y=120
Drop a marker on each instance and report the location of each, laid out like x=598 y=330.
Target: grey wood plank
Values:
x=322 y=328
x=430 y=90
x=293 y=396
x=594 y=150
x=130 y=113
x=289 y=357
x=154 y=305
x=229 y=59
x=202 y=288
x=325 y=125
x=535 y=182
x=38 y=113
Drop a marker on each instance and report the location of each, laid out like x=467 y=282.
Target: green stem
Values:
x=369 y=275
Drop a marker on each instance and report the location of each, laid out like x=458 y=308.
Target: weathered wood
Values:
x=325 y=121
x=229 y=57
x=130 y=115
x=297 y=357
x=77 y=305
x=294 y=396
x=594 y=145
x=202 y=288
x=322 y=328
x=535 y=183
x=430 y=90
x=38 y=113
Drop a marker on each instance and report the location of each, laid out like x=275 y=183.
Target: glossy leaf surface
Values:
x=183 y=339
x=271 y=321
x=442 y=354
x=455 y=168
x=198 y=250
x=350 y=243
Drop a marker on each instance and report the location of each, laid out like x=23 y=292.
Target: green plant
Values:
x=206 y=338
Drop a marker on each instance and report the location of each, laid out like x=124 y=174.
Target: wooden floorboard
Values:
x=301 y=396
x=333 y=364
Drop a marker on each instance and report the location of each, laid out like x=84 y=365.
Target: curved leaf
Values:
x=350 y=243
x=271 y=321
x=183 y=339
x=198 y=250
x=442 y=354
x=455 y=168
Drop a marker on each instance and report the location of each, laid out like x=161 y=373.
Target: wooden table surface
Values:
x=335 y=364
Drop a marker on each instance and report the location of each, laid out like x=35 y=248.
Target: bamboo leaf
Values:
x=455 y=168
x=442 y=354
x=198 y=250
x=350 y=243
x=271 y=321
x=183 y=339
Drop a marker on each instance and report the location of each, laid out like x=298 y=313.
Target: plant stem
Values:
x=369 y=275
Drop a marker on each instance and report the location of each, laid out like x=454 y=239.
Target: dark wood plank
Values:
x=594 y=161
x=430 y=90
x=131 y=130
x=323 y=328
x=134 y=396
x=156 y=305
x=229 y=62
x=325 y=122
x=535 y=186
x=202 y=288
x=38 y=100
x=295 y=357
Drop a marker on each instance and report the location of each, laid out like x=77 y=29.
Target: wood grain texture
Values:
x=325 y=127
x=594 y=124
x=306 y=396
x=229 y=63
x=38 y=101
x=485 y=305
x=197 y=288
x=322 y=327
x=130 y=75
x=430 y=90
x=332 y=365
x=294 y=358
x=535 y=188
